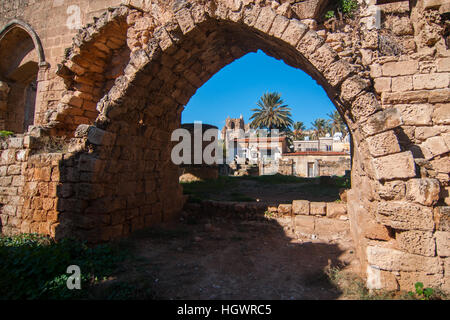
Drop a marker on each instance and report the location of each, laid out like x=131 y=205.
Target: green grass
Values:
x=203 y=189
x=34 y=267
x=225 y=188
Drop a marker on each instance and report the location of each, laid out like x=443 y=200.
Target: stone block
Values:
x=433 y=147
x=394 y=260
x=402 y=83
x=365 y=105
x=443 y=243
x=423 y=133
x=318 y=208
x=265 y=19
x=185 y=20
x=14 y=169
x=285 y=209
x=376 y=231
x=401 y=68
x=417 y=242
x=100 y=137
x=300 y=207
x=308 y=9
x=387 y=119
x=442 y=218
x=402 y=26
x=395 y=166
x=337 y=72
x=331 y=227
x=424 y=191
x=294 y=32
x=335 y=210
x=443 y=65
x=416 y=114
x=405 y=215
x=8 y=157
x=279 y=25
x=441 y=113
x=379 y=279
x=383 y=84
x=383 y=144
x=5 y=181
x=352 y=87
x=323 y=57
x=431 y=81
x=15 y=142
x=407 y=280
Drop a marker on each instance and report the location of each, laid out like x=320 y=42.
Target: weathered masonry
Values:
x=117 y=87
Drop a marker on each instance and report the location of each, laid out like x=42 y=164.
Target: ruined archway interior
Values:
x=121 y=86
x=18 y=72
x=135 y=181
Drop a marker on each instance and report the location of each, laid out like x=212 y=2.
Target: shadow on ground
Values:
x=219 y=259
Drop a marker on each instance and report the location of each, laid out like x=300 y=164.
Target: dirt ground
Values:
x=238 y=260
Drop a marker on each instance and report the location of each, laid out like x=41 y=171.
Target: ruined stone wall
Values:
x=326 y=165
x=130 y=73
x=311 y=220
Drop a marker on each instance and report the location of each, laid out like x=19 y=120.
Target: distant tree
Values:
x=299 y=130
x=319 y=128
x=337 y=123
x=271 y=113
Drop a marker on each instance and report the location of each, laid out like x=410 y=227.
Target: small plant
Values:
x=333 y=274
x=348 y=6
x=421 y=292
x=330 y=14
x=344 y=8
x=6 y=134
x=268 y=214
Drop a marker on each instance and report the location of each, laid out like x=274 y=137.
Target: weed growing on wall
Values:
x=343 y=7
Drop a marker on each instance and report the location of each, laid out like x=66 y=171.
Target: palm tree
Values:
x=337 y=124
x=271 y=113
x=299 y=128
x=319 y=128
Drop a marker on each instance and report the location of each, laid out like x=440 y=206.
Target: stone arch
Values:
x=22 y=59
x=117 y=176
x=98 y=56
x=15 y=23
x=123 y=160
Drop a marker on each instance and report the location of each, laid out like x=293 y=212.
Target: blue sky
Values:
x=235 y=89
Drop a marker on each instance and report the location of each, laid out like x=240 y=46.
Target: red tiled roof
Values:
x=267 y=139
x=317 y=153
